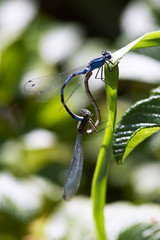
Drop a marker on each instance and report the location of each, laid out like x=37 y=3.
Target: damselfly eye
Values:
x=107 y=54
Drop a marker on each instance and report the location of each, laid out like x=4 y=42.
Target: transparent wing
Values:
x=74 y=89
x=48 y=87
x=75 y=171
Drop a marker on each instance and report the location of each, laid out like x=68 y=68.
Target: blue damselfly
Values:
x=46 y=87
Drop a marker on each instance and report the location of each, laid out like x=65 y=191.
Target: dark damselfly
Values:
x=75 y=171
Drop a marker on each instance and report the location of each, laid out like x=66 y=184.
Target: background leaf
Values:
x=141 y=231
x=139 y=122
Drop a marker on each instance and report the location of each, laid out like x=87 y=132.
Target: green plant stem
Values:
x=100 y=176
x=99 y=182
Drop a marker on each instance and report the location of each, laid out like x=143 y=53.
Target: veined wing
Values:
x=75 y=171
x=48 y=87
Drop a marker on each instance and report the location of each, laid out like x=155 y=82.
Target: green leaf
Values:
x=142 y=231
x=139 y=122
x=155 y=91
x=100 y=176
x=151 y=39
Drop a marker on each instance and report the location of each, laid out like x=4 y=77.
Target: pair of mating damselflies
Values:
x=45 y=87
x=75 y=170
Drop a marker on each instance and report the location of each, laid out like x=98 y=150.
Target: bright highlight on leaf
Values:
x=139 y=122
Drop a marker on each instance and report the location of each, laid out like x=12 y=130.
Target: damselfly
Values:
x=46 y=87
x=96 y=63
x=75 y=171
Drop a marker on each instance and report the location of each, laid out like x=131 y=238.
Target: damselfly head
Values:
x=107 y=54
x=86 y=112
